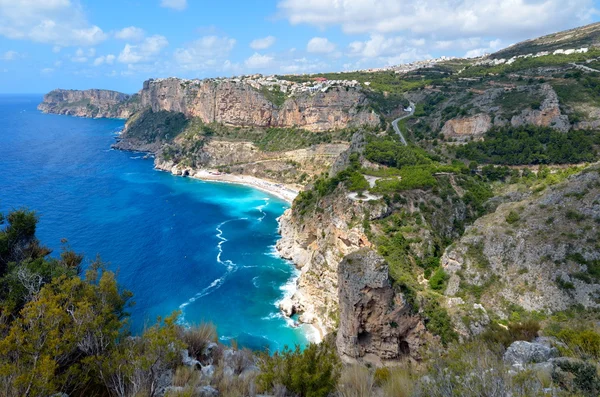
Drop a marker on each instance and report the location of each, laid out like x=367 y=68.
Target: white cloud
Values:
x=47 y=70
x=491 y=47
x=56 y=49
x=382 y=50
x=320 y=45
x=82 y=55
x=258 y=61
x=178 y=5
x=206 y=52
x=130 y=33
x=104 y=59
x=9 y=56
x=378 y=45
x=58 y=22
x=143 y=52
x=456 y=18
x=262 y=44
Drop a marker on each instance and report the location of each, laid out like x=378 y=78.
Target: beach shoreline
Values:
x=283 y=191
x=312 y=331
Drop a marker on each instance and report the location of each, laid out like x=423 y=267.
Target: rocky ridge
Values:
x=90 y=103
x=235 y=102
x=538 y=253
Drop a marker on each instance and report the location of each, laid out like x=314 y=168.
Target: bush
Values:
x=438 y=280
x=198 y=337
x=313 y=372
x=512 y=217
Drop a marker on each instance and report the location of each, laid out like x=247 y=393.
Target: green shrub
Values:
x=438 y=321
x=313 y=372
x=438 y=280
x=513 y=217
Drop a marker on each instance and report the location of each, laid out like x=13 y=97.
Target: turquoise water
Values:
x=177 y=243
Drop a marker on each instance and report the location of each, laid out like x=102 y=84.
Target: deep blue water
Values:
x=176 y=243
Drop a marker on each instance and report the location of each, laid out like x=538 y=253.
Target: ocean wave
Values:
x=216 y=284
x=255 y=281
x=261 y=208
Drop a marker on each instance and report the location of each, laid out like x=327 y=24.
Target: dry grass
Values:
x=198 y=337
x=356 y=381
x=399 y=384
x=186 y=376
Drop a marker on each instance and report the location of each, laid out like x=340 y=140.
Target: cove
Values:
x=204 y=248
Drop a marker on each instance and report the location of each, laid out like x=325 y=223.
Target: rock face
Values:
x=540 y=253
x=467 y=127
x=375 y=320
x=239 y=104
x=90 y=103
x=548 y=115
x=316 y=243
x=522 y=352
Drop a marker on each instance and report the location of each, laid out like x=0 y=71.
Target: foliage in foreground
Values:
x=310 y=373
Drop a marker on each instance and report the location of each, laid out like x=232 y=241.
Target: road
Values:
x=395 y=123
x=586 y=68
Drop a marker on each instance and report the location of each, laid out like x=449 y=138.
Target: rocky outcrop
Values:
x=376 y=322
x=468 y=127
x=239 y=104
x=90 y=103
x=317 y=243
x=549 y=114
x=540 y=253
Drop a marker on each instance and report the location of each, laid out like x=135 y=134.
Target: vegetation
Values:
x=531 y=145
x=312 y=373
x=162 y=126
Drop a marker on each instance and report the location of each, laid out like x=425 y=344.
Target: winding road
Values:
x=395 y=123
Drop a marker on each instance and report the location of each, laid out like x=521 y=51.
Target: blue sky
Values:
x=47 y=44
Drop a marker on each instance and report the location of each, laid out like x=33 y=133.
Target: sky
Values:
x=118 y=44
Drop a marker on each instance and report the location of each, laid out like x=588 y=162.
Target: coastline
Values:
x=313 y=331
x=285 y=192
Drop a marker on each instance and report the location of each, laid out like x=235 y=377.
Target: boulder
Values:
x=522 y=352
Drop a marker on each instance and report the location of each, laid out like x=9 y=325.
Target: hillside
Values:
x=470 y=252
x=585 y=36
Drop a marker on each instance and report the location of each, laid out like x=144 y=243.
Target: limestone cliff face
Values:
x=90 y=103
x=467 y=127
x=538 y=253
x=239 y=104
x=245 y=158
x=317 y=243
x=376 y=322
x=549 y=114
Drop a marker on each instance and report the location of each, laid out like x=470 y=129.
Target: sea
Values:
x=205 y=249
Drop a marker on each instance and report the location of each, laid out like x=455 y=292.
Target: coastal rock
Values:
x=316 y=243
x=375 y=319
x=90 y=103
x=239 y=104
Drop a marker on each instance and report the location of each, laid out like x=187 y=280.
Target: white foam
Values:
x=216 y=284
x=261 y=208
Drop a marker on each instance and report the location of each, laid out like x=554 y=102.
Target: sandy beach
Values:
x=283 y=191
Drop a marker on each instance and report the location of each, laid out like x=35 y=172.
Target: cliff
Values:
x=317 y=243
x=90 y=103
x=376 y=321
x=237 y=103
x=534 y=253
